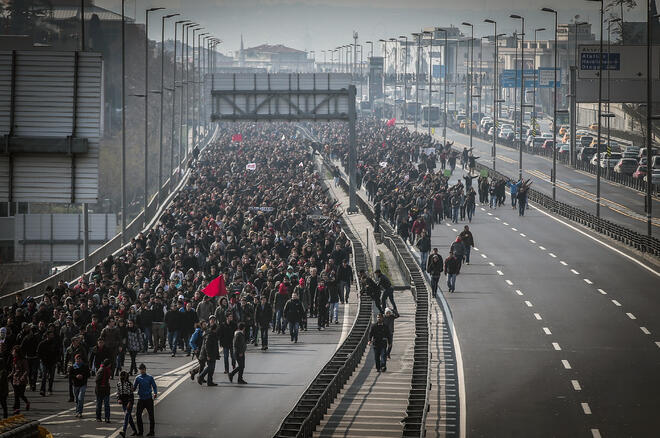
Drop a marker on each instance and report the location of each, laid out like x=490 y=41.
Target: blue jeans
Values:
x=79 y=393
x=434 y=285
x=388 y=293
x=513 y=200
x=467 y=253
x=470 y=211
x=454 y=214
x=425 y=257
x=380 y=356
x=493 y=201
x=128 y=417
x=278 y=321
x=208 y=371
x=344 y=290
x=333 y=310
x=228 y=352
x=293 y=330
x=451 y=281
x=173 y=339
x=105 y=401
x=147 y=337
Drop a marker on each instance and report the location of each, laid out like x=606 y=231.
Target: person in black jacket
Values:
x=424 y=246
x=435 y=268
x=379 y=337
x=188 y=320
x=322 y=296
x=210 y=353
x=264 y=314
x=370 y=288
x=452 y=268
x=173 y=321
x=78 y=375
x=345 y=278
x=227 y=329
x=388 y=291
x=294 y=313
x=48 y=352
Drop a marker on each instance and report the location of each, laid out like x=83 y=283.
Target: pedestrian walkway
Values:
x=374 y=403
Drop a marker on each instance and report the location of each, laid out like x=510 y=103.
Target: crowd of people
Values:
x=253 y=213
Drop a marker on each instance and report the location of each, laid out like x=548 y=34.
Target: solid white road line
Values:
x=631 y=316
x=556 y=346
x=632 y=259
x=645 y=330
x=576 y=385
x=565 y=363
x=500 y=272
x=538 y=316
x=595 y=433
x=616 y=303
x=586 y=280
x=586 y=408
x=509 y=282
x=528 y=304
x=345 y=325
x=602 y=291
x=519 y=292
x=563 y=262
x=547 y=331
x=575 y=272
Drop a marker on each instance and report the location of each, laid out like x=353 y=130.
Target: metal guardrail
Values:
x=111 y=247
x=321 y=393
x=420 y=387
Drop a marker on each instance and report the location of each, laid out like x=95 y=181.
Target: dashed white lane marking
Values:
x=514 y=229
x=500 y=272
x=491 y=263
x=519 y=292
x=482 y=209
x=498 y=219
x=552 y=255
x=566 y=364
x=586 y=408
x=575 y=272
x=602 y=291
x=645 y=330
x=538 y=316
x=576 y=385
x=658 y=344
x=528 y=304
x=616 y=303
x=475 y=248
x=631 y=316
x=523 y=235
x=556 y=346
x=509 y=282
x=490 y=214
x=454 y=230
x=505 y=223
x=547 y=331
x=563 y=262
x=595 y=433
x=586 y=280
x=448 y=224
x=484 y=256
x=532 y=241
x=542 y=248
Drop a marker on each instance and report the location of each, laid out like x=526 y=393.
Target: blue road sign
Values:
x=589 y=61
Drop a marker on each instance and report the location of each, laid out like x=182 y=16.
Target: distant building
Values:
x=275 y=58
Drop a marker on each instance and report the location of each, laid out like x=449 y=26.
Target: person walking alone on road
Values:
x=103 y=390
x=78 y=374
x=294 y=313
x=458 y=248
x=452 y=268
x=434 y=268
x=468 y=242
x=387 y=291
x=264 y=314
x=126 y=398
x=209 y=353
x=424 y=246
x=240 y=347
x=144 y=384
x=379 y=338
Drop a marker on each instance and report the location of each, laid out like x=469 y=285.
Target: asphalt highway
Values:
x=559 y=333
x=619 y=204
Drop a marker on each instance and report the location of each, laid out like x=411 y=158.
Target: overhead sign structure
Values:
x=541 y=78
x=546 y=77
x=51 y=110
x=375 y=78
x=286 y=96
x=624 y=73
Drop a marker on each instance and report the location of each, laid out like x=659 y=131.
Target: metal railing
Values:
x=112 y=246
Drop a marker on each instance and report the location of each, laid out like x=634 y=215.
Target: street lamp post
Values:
x=123 y=123
x=470 y=75
x=495 y=91
x=174 y=132
x=600 y=106
x=649 y=115
x=522 y=90
x=184 y=89
x=609 y=114
x=428 y=111
x=405 y=81
x=534 y=69
x=554 y=109
x=384 y=41
x=197 y=102
x=445 y=55
x=419 y=45
x=396 y=78
x=162 y=92
x=145 y=201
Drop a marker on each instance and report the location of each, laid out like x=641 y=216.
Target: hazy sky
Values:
x=326 y=24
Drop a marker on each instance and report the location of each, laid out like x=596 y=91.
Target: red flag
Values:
x=237 y=137
x=391 y=122
x=216 y=287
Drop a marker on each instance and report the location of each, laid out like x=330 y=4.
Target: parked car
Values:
x=640 y=172
x=626 y=166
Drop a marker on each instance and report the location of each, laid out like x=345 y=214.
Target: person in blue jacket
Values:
x=514 y=186
x=144 y=384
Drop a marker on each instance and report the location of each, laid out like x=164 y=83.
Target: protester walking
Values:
x=387 y=291
x=452 y=269
x=145 y=384
x=78 y=375
x=379 y=338
x=209 y=353
x=468 y=242
x=435 y=268
x=240 y=347
x=294 y=312
x=102 y=390
x=126 y=398
x=19 y=379
x=264 y=314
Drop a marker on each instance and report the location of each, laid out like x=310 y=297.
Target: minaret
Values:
x=241 y=54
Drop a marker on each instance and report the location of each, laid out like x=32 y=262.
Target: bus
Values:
x=434 y=118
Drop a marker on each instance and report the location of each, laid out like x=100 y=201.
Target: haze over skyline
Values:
x=323 y=24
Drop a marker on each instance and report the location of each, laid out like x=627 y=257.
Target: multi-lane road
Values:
x=619 y=204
